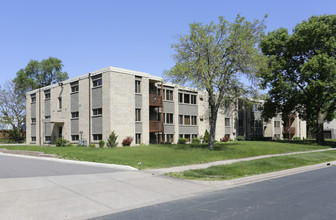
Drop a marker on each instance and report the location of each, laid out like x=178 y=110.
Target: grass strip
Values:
x=160 y=156
x=255 y=167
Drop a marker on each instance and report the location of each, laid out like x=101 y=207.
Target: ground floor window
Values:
x=194 y=136
x=138 y=138
x=97 y=137
x=75 y=137
x=47 y=138
x=170 y=138
x=33 y=138
x=187 y=136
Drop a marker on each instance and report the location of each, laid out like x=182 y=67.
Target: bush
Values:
x=240 y=138
x=182 y=141
x=60 y=142
x=206 y=136
x=230 y=139
x=296 y=139
x=224 y=139
x=92 y=145
x=195 y=140
x=112 y=140
x=127 y=141
x=101 y=143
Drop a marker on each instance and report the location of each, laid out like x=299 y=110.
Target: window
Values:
x=33 y=120
x=194 y=136
x=33 y=138
x=187 y=136
x=74 y=137
x=186 y=98
x=181 y=135
x=97 y=137
x=181 y=119
x=180 y=97
x=169 y=118
x=227 y=122
x=47 y=94
x=33 y=98
x=193 y=99
x=47 y=117
x=137 y=86
x=97 y=111
x=74 y=87
x=277 y=124
x=74 y=114
x=97 y=82
x=137 y=114
x=170 y=138
x=59 y=102
x=193 y=120
x=47 y=138
x=169 y=95
x=187 y=119
x=138 y=138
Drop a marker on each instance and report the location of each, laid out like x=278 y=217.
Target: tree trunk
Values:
x=213 y=114
x=319 y=129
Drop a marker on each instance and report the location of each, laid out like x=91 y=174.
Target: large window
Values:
x=193 y=120
x=137 y=86
x=97 y=111
x=137 y=114
x=169 y=95
x=181 y=119
x=193 y=99
x=187 y=119
x=180 y=97
x=227 y=122
x=186 y=98
x=169 y=118
x=97 y=137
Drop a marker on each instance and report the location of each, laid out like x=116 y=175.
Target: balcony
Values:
x=287 y=130
x=155 y=100
x=155 y=126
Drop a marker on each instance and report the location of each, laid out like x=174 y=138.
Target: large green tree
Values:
x=39 y=74
x=302 y=71
x=214 y=57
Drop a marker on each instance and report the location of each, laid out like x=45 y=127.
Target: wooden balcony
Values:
x=287 y=130
x=155 y=100
x=155 y=126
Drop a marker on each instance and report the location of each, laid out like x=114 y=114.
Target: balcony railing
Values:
x=155 y=100
x=287 y=130
x=155 y=126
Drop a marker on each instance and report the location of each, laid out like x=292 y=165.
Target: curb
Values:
x=107 y=165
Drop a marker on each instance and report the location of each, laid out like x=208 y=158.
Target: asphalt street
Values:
x=309 y=195
x=16 y=167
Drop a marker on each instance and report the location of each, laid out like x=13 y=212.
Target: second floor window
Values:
x=169 y=118
x=33 y=98
x=227 y=122
x=193 y=120
x=277 y=124
x=97 y=82
x=74 y=87
x=181 y=119
x=180 y=97
x=169 y=95
x=137 y=86
x=186 y=98
x=193 y=99
x=97 y=111
x=187 y=119
x=47 y=94
x=137 y=114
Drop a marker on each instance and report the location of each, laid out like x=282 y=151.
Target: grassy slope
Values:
x=158 y=156
x=254 y=167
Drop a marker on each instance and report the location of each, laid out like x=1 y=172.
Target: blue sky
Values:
x=136 y=35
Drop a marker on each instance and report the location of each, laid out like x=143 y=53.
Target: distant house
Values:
x=329 y=129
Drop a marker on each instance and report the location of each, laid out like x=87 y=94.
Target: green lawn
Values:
x=159 y=156
x=254 y=167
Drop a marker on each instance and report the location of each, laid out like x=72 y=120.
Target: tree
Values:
x=213 y=58
x=12 y=110
x=302 y=72
x=39 y=74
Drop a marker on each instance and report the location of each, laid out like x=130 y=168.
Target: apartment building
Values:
x=131 y=103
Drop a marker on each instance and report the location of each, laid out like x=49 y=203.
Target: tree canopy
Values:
x=302 y=71
x=39 y=74
x=213 y=57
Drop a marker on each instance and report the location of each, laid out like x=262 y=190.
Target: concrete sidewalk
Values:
x=223 y=162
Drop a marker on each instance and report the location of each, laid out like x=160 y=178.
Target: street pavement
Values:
x=310 y=195
x=48 y=188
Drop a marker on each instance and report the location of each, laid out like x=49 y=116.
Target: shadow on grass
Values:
x=218 y=146
x=328 y=143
